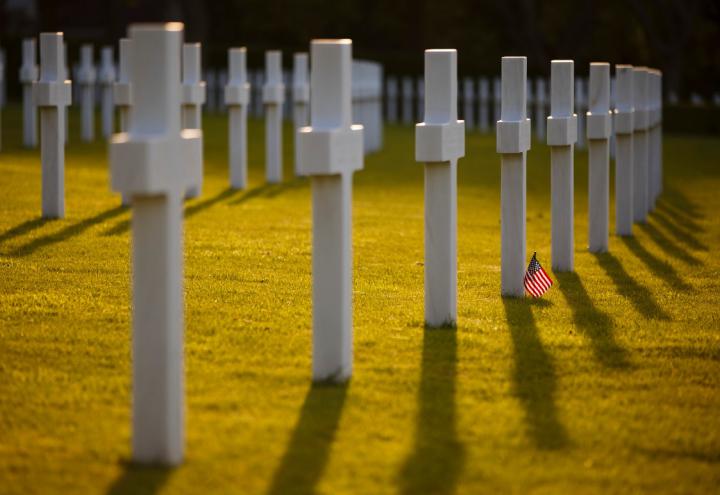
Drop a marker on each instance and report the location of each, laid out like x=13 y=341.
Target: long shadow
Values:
x=639 y=295
x=659 y=267
x=67 y=232
x=679 y=217
x=678 y=201
x=191 y=210
x=595 y=324
x=23 y=228
x=534 y=377
x=438 y=457
x=309 y=449
x=271 y=190
x=668 y=245
x=140 y=480
x=681 y=234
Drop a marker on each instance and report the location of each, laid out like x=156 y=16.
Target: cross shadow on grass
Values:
x=676 y=201
x=307 y=453
x=683 y=232
x=593 y=323
x=138 y=479
x=23 y=228
x=534 y=376
x=658 y=267
x=438 y=457
x=67 y=232
x=639 y=295
x=668 y=245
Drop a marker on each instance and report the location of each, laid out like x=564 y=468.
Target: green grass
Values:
x=610 y=384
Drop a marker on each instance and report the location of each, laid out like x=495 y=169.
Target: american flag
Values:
x=537 y=282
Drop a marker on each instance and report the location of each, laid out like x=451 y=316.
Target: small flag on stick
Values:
x=537 y=281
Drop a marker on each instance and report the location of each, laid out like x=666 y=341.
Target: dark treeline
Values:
x=681 y=37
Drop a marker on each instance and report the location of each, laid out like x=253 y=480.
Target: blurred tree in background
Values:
x=681 y=37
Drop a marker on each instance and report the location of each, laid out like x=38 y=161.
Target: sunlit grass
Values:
x=610 y=384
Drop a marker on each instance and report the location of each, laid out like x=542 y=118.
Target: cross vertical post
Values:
x=562 y=129
x=440 y=143
x=331 y=150
x=513 y=141
x=86 y=82
x=52 y=93
x=28 y=75
x=237 y=98
x=640 y=145
x=153 y=164
x=624 y=126
x=598 y=134
x=273 y=99
x=301 y=98
x=106 y=76
x=192 y=98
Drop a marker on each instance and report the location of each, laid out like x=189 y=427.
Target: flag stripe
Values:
x=536 y=279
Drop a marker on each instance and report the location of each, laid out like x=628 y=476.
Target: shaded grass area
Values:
x=610 y=384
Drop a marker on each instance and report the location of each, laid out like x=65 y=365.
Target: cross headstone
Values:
x=484 y=98
x=540 y=106
x=237 y=99
x=256 y=86
x=154 y=163
x=439 y=143
x=598 y=133
x=52 y=93
x=659 y=141
x=192 y=98
x=623 y=117
x=375 y=75
x=407 y=99
x=391 y=90
x=28 y=75
x=468 y=101
x=106 y=76
x=640 y=145
x=122 y=92
x=581 y=107
x=613 y=102
x=86 y=88
x=562 y=129
x=331 y=150
x=301 y=99
x=273 y=98
x=513 y=141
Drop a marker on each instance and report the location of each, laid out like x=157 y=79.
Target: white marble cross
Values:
x=468 y=102
x=513 y=141
x=273 y=98
x=192 y=98
x=581 y=107
x=154 y=163
x=122 y=92
x=237 y=99
x=301 y=100
x=52 y=93
x=440 y=143
x=562 y=129
x=106 y=76
x=331 y=150
x=598 y=133
x=28 y=75
x=86 y=87
x=624 y=126
x=640 y=145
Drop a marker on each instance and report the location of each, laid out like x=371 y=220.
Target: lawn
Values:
x=609 y=384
